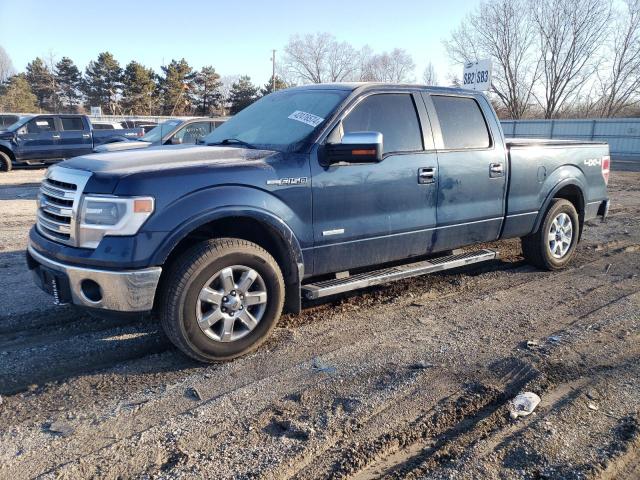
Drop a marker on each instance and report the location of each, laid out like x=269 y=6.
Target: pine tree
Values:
x=43 y=85
x=68 y=80
x=176 y=86
x=207 y=90
x=280 y=84
x=243 y=93
x=16 y=96
x=103 y=82
x=138 y=90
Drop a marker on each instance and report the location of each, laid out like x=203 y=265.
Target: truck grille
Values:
x=58 y=203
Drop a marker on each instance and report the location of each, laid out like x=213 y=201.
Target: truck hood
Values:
x=119 y=146
x=163 y=158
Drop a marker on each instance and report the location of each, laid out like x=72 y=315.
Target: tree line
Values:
x=551 y=59
x=556 y=58
x=179 y=89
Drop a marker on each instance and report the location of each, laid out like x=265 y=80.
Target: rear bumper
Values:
x=120 y=291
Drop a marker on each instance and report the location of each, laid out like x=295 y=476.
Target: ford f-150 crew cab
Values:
x=309 y=192
x=48 y=138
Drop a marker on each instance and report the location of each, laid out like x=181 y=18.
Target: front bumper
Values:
x=120 y=291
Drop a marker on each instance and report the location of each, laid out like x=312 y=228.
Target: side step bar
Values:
x=325 y=288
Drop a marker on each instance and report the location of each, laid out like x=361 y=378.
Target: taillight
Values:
x=606 y=162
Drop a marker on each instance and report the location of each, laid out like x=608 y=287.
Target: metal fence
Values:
x=622 y=134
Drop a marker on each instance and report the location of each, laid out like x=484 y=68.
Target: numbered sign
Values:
x=477 y=75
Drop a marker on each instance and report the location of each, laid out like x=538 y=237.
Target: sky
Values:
x=235 y=37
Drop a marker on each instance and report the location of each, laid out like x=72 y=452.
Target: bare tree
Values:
x=227 y=82
x=6 y=66
x=396 y=66
x=502 y=31
x=570 y=34
x=429 y=75
x=320 y=58
x=619 y=88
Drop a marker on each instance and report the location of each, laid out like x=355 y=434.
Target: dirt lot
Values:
x=404 y=381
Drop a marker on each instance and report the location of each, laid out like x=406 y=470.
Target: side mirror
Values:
x=356 y=147
x=176 y=140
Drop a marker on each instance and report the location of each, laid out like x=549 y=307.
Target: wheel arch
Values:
x=5 y=149
x=570 y=189
x=259 y=227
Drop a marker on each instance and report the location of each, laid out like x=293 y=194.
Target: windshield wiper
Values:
x=232 y=141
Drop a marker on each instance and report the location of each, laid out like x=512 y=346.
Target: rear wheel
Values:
x=221 y=299
x=5 y=162
x=552 y=247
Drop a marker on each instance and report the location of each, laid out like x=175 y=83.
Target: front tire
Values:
x=221 y=299
x=5 y=162
x=552 y=247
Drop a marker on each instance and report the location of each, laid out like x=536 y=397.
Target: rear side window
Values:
x=393 y=115
x=102 y=126
x=461 y=122
x=72 y=123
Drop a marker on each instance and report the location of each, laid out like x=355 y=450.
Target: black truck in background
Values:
x=48 y=138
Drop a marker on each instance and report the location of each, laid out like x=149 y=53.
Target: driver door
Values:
x=371 y=213
x=39 y=139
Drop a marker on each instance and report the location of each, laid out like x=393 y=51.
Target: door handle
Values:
x=85 y=135
x=55 y=137
x=427 y=175
x=496 y=170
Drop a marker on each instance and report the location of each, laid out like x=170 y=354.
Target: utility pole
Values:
x=273 y=71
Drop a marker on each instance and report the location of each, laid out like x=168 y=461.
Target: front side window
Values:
x=41 y=125
x=72 y=123
x=394 y=115
x=461 y=122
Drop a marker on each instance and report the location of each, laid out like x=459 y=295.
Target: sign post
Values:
x=477 y=75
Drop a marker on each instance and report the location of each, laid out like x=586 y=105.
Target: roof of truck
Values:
x=365 y=85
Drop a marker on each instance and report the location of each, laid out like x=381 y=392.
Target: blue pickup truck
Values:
x=48 y=138
x=309 y=192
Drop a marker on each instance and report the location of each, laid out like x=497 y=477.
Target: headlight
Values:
x=104 y=215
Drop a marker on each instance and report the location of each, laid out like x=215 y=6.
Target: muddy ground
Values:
x=409 y=380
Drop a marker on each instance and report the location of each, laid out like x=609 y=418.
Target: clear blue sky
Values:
x=236 y=37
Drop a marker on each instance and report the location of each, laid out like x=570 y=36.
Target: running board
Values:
x=325 y=288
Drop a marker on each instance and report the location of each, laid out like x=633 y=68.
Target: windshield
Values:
x=16 y=125
x=156 y=134
x=280 y=121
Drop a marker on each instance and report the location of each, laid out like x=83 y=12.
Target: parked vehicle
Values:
x=106 y=125
x=308 y=192
x=171 y=132
x=7 y=119
x=37 y=139
x=145 y=125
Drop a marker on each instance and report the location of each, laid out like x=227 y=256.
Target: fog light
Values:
x=91 y=290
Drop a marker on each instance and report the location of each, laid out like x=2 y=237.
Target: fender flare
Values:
x=272 y=222
x=6 y=146
x=573 y=181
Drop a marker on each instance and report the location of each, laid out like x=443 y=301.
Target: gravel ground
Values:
x=409 y=380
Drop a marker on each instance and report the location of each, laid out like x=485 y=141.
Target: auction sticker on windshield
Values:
x=308 y=118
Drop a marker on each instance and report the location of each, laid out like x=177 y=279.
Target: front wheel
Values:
x=221 y=299
x=552 y=247
x=5 y=162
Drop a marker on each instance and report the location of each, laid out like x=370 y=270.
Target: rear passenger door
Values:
x=371 y=213
x=75 y=137
x=38 y=139
x=472 y=170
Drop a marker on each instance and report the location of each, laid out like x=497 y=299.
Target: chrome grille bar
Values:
x=58 y=203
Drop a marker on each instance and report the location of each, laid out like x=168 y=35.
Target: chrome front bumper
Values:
x=121 y=291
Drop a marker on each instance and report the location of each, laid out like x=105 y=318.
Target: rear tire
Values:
x=5 y=162
x=552 y=247
x=221 y=299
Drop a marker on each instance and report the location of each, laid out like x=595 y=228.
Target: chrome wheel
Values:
x=560 y=235
x=231 y=303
